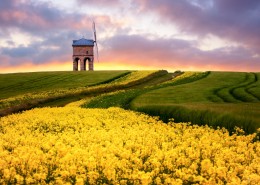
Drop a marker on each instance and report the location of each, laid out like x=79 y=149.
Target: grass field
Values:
x=123 y=99
x=226 y=99
x=20 y=83
x=37 y=90
x=222 y=99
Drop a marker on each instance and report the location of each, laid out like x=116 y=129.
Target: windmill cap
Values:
x=83 y=42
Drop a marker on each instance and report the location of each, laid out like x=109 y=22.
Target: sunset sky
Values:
x=36 y=35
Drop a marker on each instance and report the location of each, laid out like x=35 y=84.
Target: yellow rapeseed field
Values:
x=72 y=145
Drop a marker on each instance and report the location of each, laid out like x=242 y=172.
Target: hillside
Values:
x=27 y=90
x=90 y=140
x=226 y=99
x=222 y=99
x=21 y=83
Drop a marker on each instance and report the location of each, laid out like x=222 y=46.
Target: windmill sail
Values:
x=94 y=31
x=95 y=39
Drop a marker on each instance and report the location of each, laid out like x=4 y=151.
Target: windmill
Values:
x=83 y=52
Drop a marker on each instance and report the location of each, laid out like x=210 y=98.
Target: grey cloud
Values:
x=236 y=20
x=37 y=18
x=56 y=47
x=19 y=52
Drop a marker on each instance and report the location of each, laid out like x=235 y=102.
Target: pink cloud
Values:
x=99 y=2
x=235 y=20
x=174 y=53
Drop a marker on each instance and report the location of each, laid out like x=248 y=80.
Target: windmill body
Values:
x=83 y=52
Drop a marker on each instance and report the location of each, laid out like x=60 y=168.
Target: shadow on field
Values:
x=200 y=117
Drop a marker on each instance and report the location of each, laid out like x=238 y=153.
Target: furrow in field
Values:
x=214 y=97
x=225 y=95
x=240 y=92
x=235 y=93
x=254 y=89
x=247 y=89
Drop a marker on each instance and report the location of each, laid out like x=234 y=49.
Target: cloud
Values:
x=176 y=53
x=99 y=2
x=39 y=18
x=56 y=47
x=125 y=36
x=19 y=51
x=236 y=20
x=54 y=30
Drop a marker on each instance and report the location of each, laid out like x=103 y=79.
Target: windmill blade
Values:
x=95 y=38
x=94 y=31
x=97 y=51
x=93 y=26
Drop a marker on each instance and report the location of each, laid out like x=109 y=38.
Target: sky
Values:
x=187 y=35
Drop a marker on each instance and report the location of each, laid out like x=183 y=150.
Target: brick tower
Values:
x=83 y=52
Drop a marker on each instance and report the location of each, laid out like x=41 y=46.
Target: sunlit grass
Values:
x=21 y=83
x=221 y=99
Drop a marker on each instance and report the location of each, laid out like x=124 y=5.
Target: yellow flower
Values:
x=116 y=146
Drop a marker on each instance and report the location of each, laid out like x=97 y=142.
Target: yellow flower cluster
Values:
x=114 y=146
x=130 y=78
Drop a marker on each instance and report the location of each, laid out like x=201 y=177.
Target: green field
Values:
x=24 y=91
x=20 y=83
x=220 y=99
x=225 y=99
